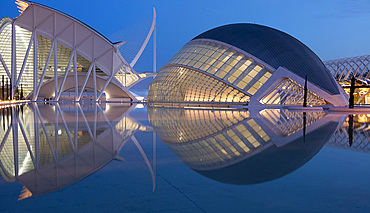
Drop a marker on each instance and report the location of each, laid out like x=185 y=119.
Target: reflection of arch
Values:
x=361 y=135
x=62 y=144
x=244 y=149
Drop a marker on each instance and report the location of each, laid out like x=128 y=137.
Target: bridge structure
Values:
x=54 y=56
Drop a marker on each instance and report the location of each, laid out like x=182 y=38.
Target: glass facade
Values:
x=224 y=63
x=229 y=76
x=23 y=38
x=180 y=84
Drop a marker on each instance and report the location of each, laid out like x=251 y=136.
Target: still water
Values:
x=130 y=158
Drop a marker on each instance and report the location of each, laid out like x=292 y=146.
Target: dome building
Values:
x=244 y=64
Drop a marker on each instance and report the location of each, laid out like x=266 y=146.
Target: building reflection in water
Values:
x=354 y=134
x=47 y=148
x=242 y=147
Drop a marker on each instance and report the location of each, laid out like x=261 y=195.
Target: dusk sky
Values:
x=332 y=29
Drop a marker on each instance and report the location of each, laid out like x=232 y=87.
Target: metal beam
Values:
x=4 y=65
x=133 y=62
x=24 y=61
x=45 y=67
x=57 y=96
x=14 y=60
x=86 y=79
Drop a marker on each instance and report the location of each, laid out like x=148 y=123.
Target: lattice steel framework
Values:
x=344 y=69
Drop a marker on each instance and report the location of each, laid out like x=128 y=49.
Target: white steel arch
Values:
x=345 y=68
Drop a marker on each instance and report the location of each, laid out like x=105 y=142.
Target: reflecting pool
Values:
x=115 y=157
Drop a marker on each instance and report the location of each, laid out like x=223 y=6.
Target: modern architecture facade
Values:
x=55 y=56
x=345 y=68
x=244 y=64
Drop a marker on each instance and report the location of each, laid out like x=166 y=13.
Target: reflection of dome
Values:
x=273 y=162
x=246 y=148
x=244 y=64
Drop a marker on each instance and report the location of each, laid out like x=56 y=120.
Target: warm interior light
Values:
x=21 y=5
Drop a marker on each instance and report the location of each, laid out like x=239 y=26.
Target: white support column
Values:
x=95 y=87
x=35 y=67
x=76 y=77
x=75 y=61
x=105 y=85
x=155 y=47
x=14 y=60
x=45 y=68
x=4 y=65
x=55 y=68
x=57 y=96
x=86 y=79
x=24 y=61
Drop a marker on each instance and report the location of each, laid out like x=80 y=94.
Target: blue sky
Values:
x=331 y=28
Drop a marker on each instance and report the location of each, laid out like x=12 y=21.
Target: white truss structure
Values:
x=289 y=92
x=345 y=68
x=44 y=46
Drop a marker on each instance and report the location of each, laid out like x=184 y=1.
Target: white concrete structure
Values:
x=50 y=52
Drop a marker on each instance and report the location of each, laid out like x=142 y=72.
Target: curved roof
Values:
x=83 y=23
x=72 y=34
x=277 y=49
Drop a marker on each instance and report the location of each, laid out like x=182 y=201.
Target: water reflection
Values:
x=354 y=134
x=47 y=147
x=242 y=147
